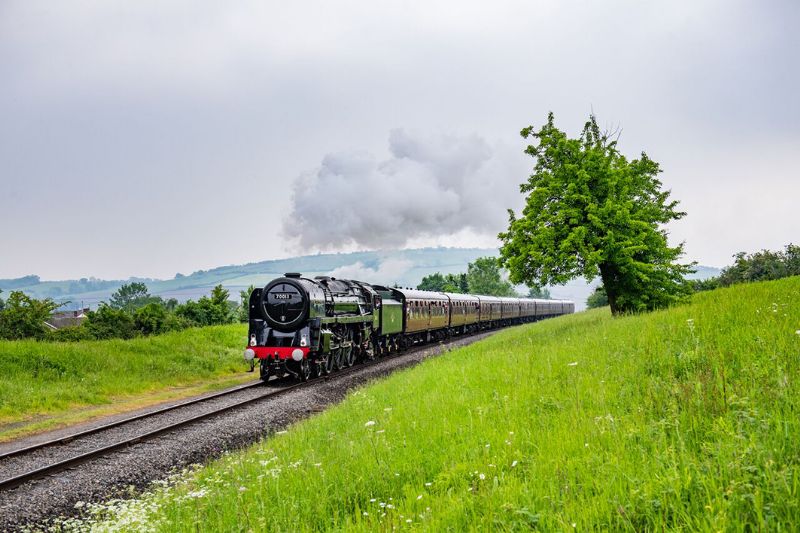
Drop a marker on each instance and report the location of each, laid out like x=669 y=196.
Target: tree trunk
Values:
x=610 y=283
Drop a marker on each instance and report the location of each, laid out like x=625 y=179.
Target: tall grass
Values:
x=47 y=378
x=680 y=419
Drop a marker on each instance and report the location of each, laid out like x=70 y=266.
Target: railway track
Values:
x=38 y=453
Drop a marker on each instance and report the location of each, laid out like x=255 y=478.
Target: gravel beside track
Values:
x=113 y=475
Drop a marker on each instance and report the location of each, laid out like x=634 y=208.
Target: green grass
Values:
x=43 y=384
x=682 y=419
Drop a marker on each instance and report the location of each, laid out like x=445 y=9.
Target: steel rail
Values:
x=58 y=466
x=104 y=427
x=17 y=480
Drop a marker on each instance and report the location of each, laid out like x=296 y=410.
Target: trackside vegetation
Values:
x=684 y=418
x=42 y=382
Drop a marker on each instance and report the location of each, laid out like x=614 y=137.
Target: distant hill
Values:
x=403 y=267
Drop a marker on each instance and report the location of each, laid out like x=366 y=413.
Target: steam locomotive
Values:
x=311 y=327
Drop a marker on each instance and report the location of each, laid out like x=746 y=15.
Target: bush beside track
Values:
x=685 y=418
x=44 y=384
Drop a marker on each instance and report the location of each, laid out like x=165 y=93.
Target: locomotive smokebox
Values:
x=284 y=302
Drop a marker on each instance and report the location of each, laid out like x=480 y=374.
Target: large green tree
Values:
x=456 y=283
x=590 y=211
x=484 y=277
x=132 y=296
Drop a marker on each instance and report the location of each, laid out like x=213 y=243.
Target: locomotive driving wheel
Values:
x=317 y=368
x=348 y=352
x=304 y=369
x=338 y=360
x=330 y=362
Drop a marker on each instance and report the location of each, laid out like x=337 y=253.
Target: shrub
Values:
x=151 y=319
x=109 y=323
x=598 y=298
x=23 y=316
x=69 y=334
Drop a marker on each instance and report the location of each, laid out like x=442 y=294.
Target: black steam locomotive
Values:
x=310 y=327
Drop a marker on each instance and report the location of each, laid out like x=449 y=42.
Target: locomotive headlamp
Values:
x=249 y=354
x=297 y=354
x=252 y=340
x=303 y=341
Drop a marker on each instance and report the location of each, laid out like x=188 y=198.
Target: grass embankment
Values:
x=685 y=419
x=47 y=384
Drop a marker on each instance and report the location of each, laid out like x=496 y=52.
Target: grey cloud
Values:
x=428 y=186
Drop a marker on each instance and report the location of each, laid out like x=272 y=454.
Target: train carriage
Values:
x=309 y=327
x=464 y=311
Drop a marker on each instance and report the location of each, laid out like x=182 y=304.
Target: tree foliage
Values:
x=132 y=296
x=131 y=312
x=23 y=316
x=590 y=211
x=539 y=292
x=455 y=283
x=598 y=298
x=109 y=323
x=484 y=277
x=762 y=266
x=244 y=304
x=209 y=311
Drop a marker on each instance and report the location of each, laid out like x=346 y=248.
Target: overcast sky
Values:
x=149 y=138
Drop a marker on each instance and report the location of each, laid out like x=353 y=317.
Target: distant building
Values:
x=66 y=319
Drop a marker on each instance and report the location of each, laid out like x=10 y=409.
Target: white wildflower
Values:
x=797 y=332
x=196 y=494
x=242 y=489
x=574 y=524
x=365 y=513
x=387 y=409
x=419 y=497
x=369 y=423
x=428 y=484
x=389 y=506
x=78 y=505
x=487 y=445
x=408 y=521
x=372 y=500
x=574 y=363
x=380 y=431
x=283 y=431
x=513 y=464
x=482 y=476
x=318 y=465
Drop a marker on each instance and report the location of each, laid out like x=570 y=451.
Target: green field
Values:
x=47 y=384
x=681 y=419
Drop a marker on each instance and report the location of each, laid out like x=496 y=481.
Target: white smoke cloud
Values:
x=389 y=271
x=428 y=187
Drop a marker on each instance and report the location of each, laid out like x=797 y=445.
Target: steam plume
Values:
x=428 y=187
